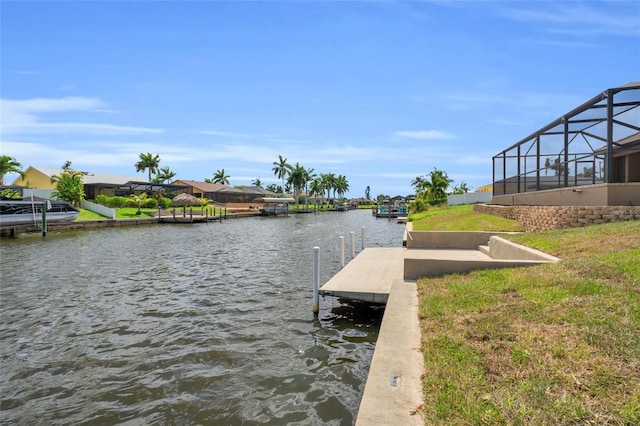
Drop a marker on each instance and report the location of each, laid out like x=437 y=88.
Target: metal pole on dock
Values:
x=316 y=279
x=353 y=244
x=341 y=251
x=363 y=238
x=44 y=219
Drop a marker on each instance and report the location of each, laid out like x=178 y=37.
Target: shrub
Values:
x=418 y=206
x=102 y=200
x=151 y=203
x=113 y=202
x=165 y=202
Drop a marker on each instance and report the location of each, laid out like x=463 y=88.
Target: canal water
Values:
x=203 y=324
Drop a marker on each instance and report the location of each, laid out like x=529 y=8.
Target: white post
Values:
x=316 y=279
x=342 y=251
x=353 y=244
x=363 y=238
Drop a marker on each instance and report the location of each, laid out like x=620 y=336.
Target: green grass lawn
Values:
x=460 y=218
x=122 y=213
x=547 y=344
x=87 y=215
x=131 y=213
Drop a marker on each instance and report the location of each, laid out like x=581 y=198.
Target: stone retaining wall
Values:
x=542 y=218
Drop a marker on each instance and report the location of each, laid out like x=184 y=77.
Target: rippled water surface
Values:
x=190 y=324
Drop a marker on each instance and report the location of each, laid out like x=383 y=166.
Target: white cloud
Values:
x=25 y=117
x=424 y=134
x=474 y=159
x=581 y=19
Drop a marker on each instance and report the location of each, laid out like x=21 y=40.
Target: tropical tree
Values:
x=163 y=175
x=435 y=187
x=9 y=165
x=69 y=185
x=148 y=162
x=341 y=185
x=9 y=194
x=308 y=176
x=220 y=177
x=381 y=197
x=257 y=182
x=328 y=181
x=316 y=188
x=276 y=189
x=139 y=201
x=418 y=183
x=297 y=180
x=281 y=169
x=462 y=189
x=547 y=165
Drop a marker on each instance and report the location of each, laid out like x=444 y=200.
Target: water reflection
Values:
x=198 y=324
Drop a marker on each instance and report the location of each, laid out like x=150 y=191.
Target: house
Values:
x=355 y=202
x=224 y=194
x=589 y=156
x=96 y=183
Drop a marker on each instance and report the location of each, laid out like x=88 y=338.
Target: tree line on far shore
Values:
x=430 y=189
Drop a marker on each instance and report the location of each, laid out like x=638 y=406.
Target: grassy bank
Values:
x=460 y=218
x=549 y=344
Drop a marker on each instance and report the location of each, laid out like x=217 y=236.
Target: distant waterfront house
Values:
x=355 y=202
x=224 y=194
x=588 y=156
x=97 y=183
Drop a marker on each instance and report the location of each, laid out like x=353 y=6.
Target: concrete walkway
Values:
x=393 y=392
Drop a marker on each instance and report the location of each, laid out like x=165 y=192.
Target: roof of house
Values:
x=628 y=142
x=202 y=186
x=205 y=187
x=89 y=177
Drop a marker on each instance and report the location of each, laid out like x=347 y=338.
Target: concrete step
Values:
x=428 y=263
x=484 y=249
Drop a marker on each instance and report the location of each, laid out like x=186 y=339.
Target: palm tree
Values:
x=139 y=201
x=317 y=188
x=257 y=182
x=9 y=165
x=281 y=169
x=164 y=174
x=418 y=183
x=272 y=187
x=341 y=185
x=328 y=182
x=149 y=162
x=308 y=176
x=220 y=177
x=296 y=180
x=69 y=186
x=436 y=186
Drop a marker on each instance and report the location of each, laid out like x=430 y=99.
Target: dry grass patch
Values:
x=550 y=344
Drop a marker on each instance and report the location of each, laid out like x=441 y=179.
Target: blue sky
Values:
x=378 y=91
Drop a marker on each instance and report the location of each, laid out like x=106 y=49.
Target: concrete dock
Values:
x=393 y=392
x=369 y=276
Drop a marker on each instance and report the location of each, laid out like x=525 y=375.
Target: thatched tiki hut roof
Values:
x=185 y=200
